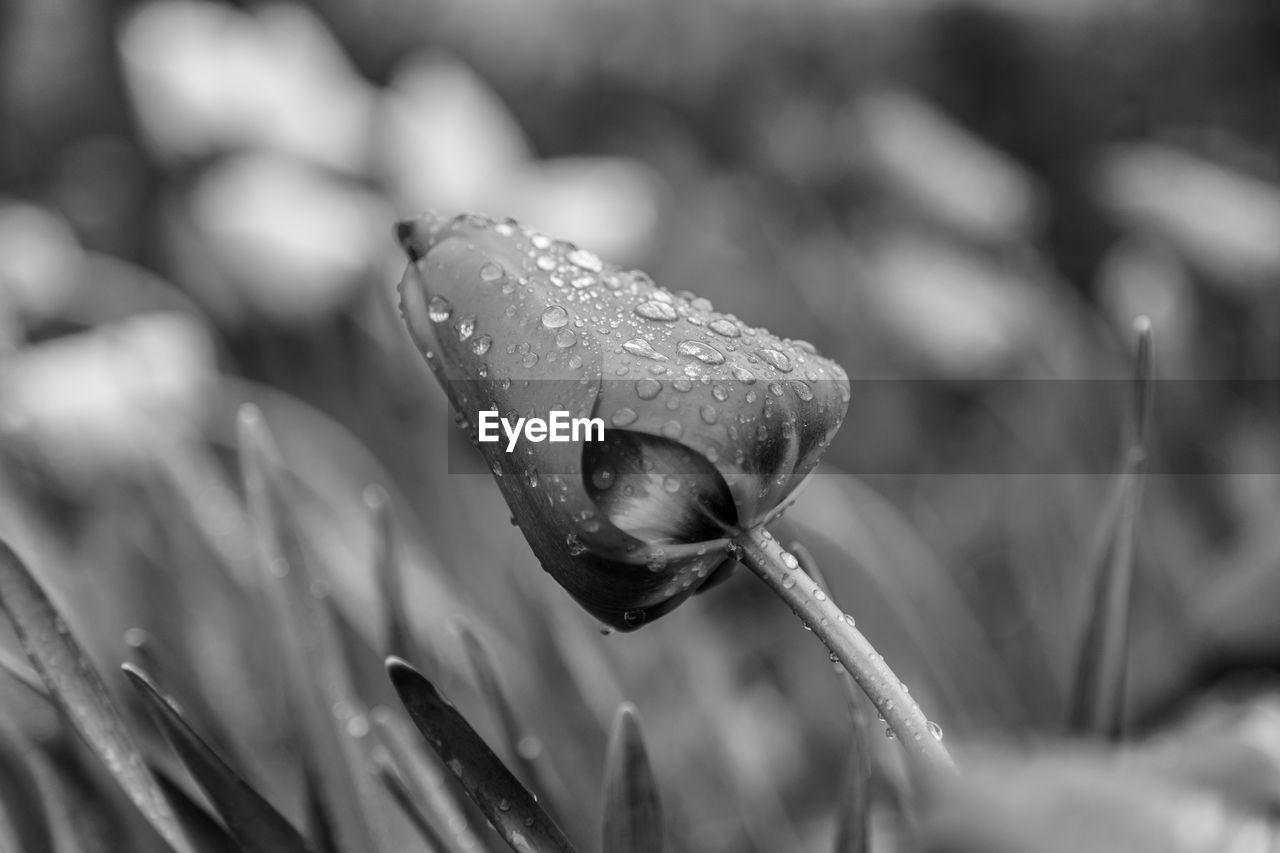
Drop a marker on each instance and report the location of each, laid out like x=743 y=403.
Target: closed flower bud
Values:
x=709 y=424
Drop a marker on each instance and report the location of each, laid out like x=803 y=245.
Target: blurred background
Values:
x=965 y=204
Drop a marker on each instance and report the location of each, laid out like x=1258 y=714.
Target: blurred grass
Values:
x=937 y=198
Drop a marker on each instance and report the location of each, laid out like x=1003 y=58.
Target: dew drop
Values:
x=492 y=272
x=575 y=361
x=819 y=595
x=720 y=392
x=671 y=485
x=802 y=389
x=603 y=477
x=789 y=560
x=644 y=349
x=531 y=477
x=775 y=388
x=682 y=385
x=725 y=328
x=624 y=417
x=788 y=581
x=704 y=353
x=576 y=547
x=746 y=377
x=481 y=345
x=546 y=263
x=439 y=309
x=555 y=317
x=647 y=389
x=655 y=310
x=888 y=732
x=586 y=260
x=566 y=338
x=672 y=429
x=466 y=327
x=633 y=618
x=530 y=359
x=708 y=413
x=775 y=359
x=935 y=730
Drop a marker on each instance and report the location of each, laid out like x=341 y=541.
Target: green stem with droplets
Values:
x=761 y=553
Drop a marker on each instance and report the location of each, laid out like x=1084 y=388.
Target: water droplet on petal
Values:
x=466 y=327
x=481 y=345
x=746 y=377
x=703 y=352
x=576 y=547
x=575 y=361
x=672 y=429
x=586 y=260
x=720 y=392
x=802 y=389
x=566 y=338
x=671 y=485
x=546 y=263
x=788 y=581
x=492 y=272
x=888 y=732
x=727 y=328
x=708 y=413
x=775 y=359
x=624 y=417
x=789 y=560
x=439 y=309
x=644 y=349
x=602 y=477
x=647 y=389
x=775 y=389
x=655 y=310
x=935 y=730
x=555 y=317
x=633 y=617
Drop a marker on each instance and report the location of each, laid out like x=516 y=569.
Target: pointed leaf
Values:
x=310 y=649
x=496 y=792
x=252 y=821
x=387 y=567
x=78 y=690
x=22 y=796
x=632 y=811
x=1102 y=670
x=420 y=768
x=399 y=791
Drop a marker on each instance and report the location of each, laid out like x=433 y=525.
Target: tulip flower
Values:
x=709 y=424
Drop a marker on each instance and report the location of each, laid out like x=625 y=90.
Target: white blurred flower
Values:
x=39 y=263
x=947 y=172
x=1226 y=222
x=448 y=142
x=959 y=315
x=206 y=78
x=291 y=240
x=108 y=397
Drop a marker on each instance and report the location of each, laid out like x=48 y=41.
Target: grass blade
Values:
x=853 y=808
x=78 y=690
x=251 y=820
x=421 y=770
x=1102 y=670
x=310 y=649
x=396 y=786
x=496 y=792
x=22 y=796
x=534 y=772
x=632 y=810
x=388 y=565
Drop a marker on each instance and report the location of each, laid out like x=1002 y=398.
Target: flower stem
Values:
x=761 y=553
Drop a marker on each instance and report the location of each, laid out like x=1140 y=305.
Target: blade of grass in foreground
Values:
x=395 y=785
x=310 y=651
x=632 y=809
x=420 y=769
x=77 y=689
x=853 y=808
x=252 y=821
x=1102 y=671
x=496 y=792
x=22 y=796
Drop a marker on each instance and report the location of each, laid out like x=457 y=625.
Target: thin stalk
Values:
x=761 y=553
